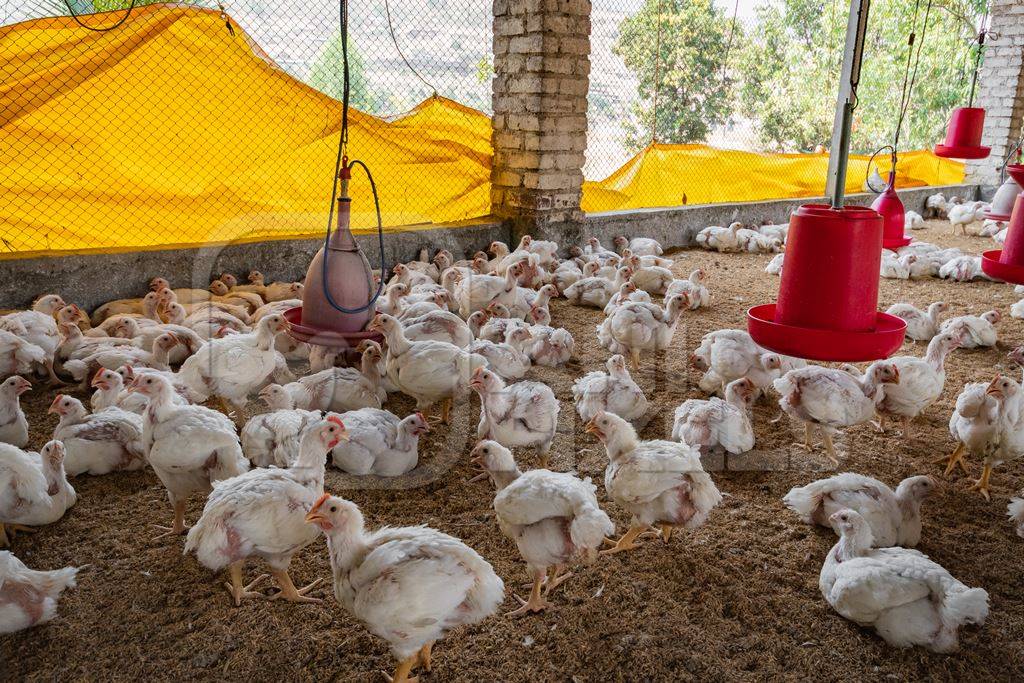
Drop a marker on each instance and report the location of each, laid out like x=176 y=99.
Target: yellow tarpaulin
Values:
x=673 y=175
x=168 y=131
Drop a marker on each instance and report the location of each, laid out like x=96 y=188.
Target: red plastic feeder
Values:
x=828 y=295
x=963 y=137
x=894 y=216
x=1007 y=264
x=325 y=337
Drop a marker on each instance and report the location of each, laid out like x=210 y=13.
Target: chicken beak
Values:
x=54 y=407
x=993 y=387
x=97 y=380
x=23 y=386
x=314 y=517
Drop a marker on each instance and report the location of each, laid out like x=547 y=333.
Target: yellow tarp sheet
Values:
x=170 y=132
x=673 y=175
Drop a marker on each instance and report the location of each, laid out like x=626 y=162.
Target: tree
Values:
x=326 y=75
x=789 y=77
x=692 y=97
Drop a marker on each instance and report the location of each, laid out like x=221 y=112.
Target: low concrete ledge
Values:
x=92 y=279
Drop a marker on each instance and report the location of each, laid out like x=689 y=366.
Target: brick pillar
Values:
x=1000 y=91
x=541 y=76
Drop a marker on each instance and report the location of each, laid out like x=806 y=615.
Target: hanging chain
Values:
x=982 y=33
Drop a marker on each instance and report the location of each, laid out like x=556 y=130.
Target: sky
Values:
x=745 y=10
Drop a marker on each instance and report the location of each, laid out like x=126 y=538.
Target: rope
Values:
x=117 y=24
x=657 y=79
x=910 y=77
x=391 y=30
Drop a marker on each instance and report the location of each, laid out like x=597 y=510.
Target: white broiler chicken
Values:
x=627 y=292
x=189 y=447
x=1010 y=442
x=438 y=326
x=921 y=325
x=407 y=585
x=935 y=206
x=652 y=279
x=509 y=359
x=272 y=439
x=718 y=425
x=979 y=330
x=480 y=291
x=831 y=399
x=697 y=293
x=110 y=357
x=106 y=441
x=19 y=356
x=29 y=597
x=1015 y=511
x=38 y=327
x=429 y=371
x=233 y=367
x=974 y=425
x=717 y=238
x=658 y=482
x=774 y=266
x=521 y=414
x=551 y=346
x=727 y=355
x=896 y=267
x=636 y=327
x=966 y=214
x=913 y=220
x=553 y=518
x=595 y=291
x=380 y=443
x=567 y=274
x=498 y=323
x=13 y=424
x=261 y=514
x=894 y=516
x=34 y=489
x=963 y=269
x=611 y=392
x=334 y=389
x=641 y=246
x=905 y=597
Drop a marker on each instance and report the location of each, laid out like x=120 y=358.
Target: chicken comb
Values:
x=320 y=501
x=336 y=420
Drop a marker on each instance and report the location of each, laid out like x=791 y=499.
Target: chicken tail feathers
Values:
x=805 y=501
x=962 y=605
x=589 y=527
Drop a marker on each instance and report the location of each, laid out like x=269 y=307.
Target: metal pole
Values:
x=856 y=29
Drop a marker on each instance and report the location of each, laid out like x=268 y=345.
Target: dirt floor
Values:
x=735 y=599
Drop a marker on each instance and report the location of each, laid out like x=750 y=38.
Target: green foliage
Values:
x=789 y=76
x=692 y=99
x=326 y=76
x=484 y=70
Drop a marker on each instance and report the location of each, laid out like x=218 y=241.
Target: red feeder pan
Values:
x=1007 y=264
x=828 y=295
x=963 y=137
x=894 y=216
x=325 y=337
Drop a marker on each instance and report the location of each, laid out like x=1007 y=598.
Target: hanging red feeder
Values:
x=963 y=136
x=828 y=295
x=894 y=216
x=1007 y=264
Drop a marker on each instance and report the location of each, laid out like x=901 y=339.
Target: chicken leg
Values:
x=626 y=542
x=235 y=587
x=982 y=484
x=424 y=655
x=288 y=590
x=634 y=358
x=830 y=449
x=808 y=445
x=536 y=603
x=13 y=529
x=446 y=411
x=666 y=532
x=403 y=670
x=555 y=579
x=177 y=527
x=954 y=459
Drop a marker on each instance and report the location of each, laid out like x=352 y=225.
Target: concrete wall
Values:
x=90 y=280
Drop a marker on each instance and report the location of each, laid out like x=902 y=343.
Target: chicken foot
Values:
x=954 y=459
x=403 y=670
x=555 y=579
x=235 y=587
x=536 y=603
x=177 y=527
x=982 y=484
x=13 y=529
x=830 y=449
x=288 y=590
x=626 y=542
x=666 y=531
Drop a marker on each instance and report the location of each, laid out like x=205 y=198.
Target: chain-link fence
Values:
x=761 y=76
x=183 y=125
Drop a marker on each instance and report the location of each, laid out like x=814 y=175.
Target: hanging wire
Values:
x=657 y=79
x=394 y=39
x=982 y=32
x=728 y=43
x=95 y=29
x=342 y=163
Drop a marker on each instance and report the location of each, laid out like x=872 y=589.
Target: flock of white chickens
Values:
x=452 y=328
